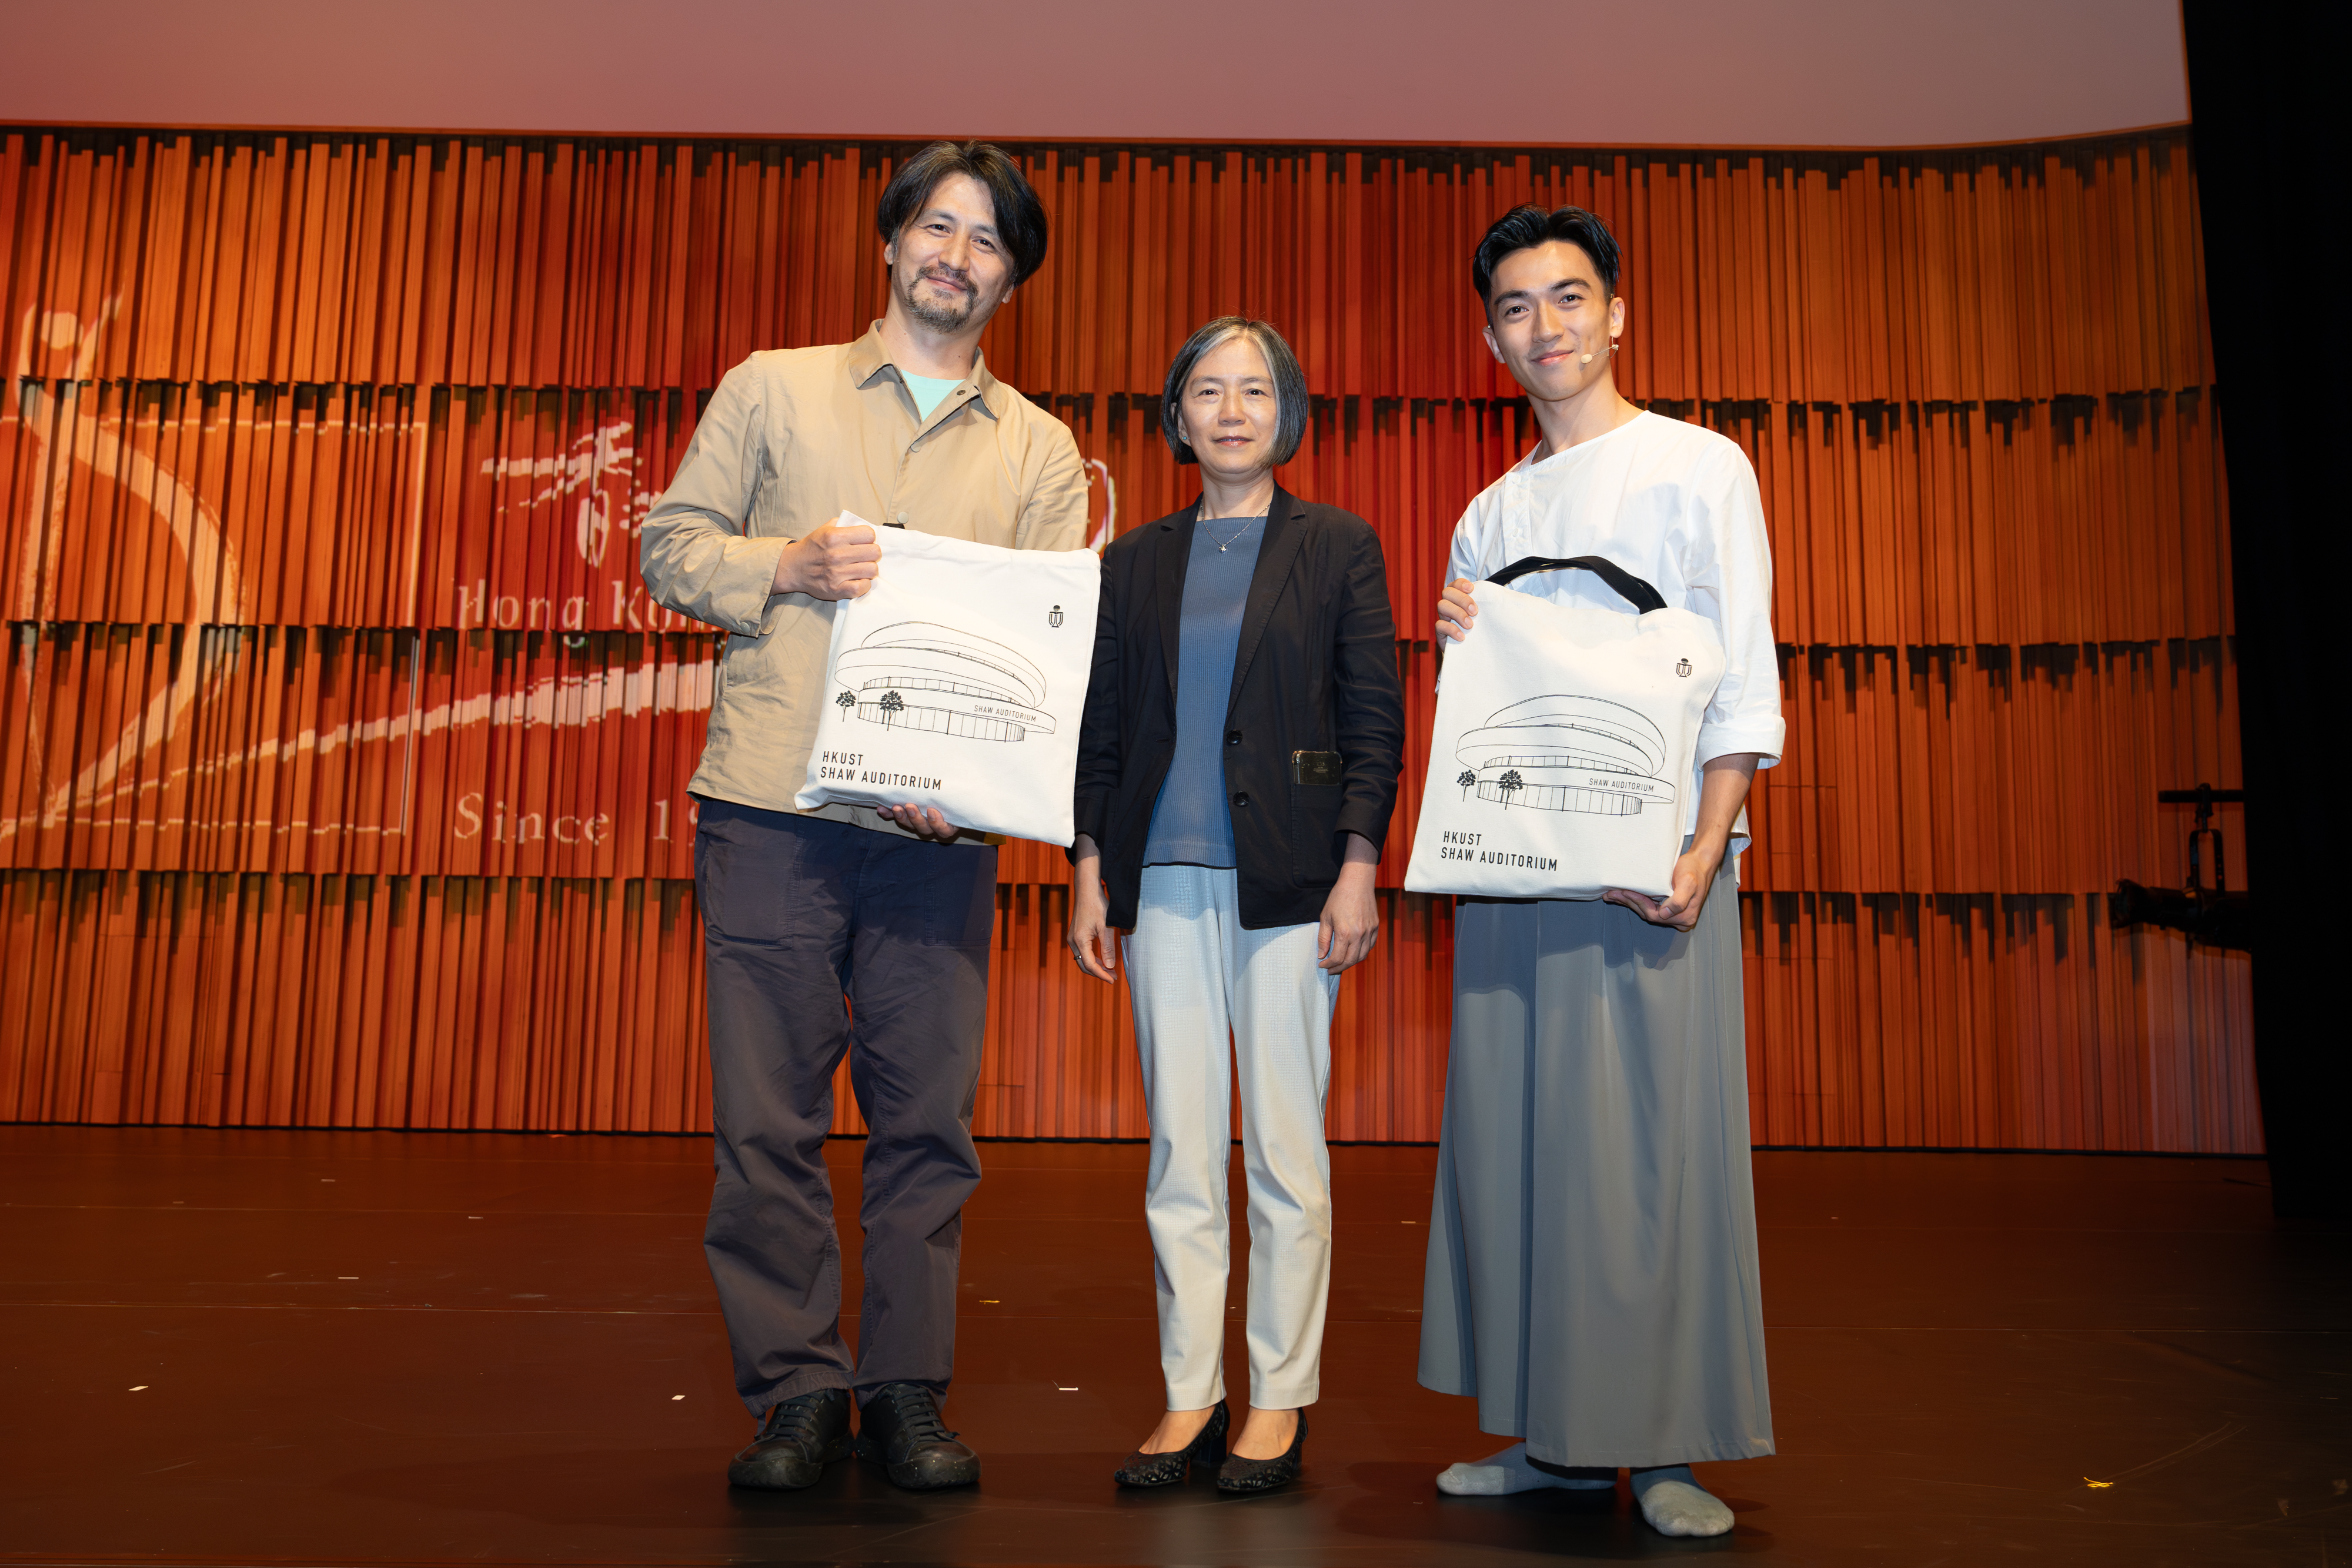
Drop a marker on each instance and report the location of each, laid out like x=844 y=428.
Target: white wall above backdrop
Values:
x=1808 y=73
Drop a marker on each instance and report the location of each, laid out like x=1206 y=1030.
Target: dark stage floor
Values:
x=332 y=1348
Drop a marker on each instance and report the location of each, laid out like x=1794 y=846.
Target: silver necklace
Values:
x=1236 y=538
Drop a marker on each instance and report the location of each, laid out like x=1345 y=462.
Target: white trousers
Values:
x=1197 y=978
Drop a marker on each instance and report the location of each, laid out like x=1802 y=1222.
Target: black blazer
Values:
x=1316 y=674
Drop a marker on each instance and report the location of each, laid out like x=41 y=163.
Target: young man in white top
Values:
x=843 y=930
x=1591 y=1273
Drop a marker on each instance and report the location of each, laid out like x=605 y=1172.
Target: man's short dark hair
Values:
x=1526 y=228
x=1019 y=216
x=1290 y=400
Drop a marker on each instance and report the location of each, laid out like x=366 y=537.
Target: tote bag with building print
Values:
x=1564 y=743
x=957 y=681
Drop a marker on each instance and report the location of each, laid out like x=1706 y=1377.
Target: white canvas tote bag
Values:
x=1564 y=743
x=957 y=681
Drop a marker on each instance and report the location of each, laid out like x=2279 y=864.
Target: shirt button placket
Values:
x=905 y=462
x=1517 y=529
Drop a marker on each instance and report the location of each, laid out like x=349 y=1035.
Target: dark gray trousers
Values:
x=821 y=939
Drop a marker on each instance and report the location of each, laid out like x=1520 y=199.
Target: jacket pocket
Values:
x=739 y=661
x=1314 y=820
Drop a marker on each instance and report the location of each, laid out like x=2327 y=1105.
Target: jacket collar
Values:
x=1168 y=577
x=1285 y=536
x=1277 y=553
x=869 y=361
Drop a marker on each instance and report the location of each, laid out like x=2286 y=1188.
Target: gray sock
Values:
x=1511 y=1471
x=1675 y=1504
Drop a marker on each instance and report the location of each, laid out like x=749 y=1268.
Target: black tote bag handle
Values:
x=1631 y=589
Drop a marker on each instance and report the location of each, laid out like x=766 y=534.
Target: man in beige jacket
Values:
x=890 y=911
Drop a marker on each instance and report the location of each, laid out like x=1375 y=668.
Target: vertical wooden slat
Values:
x=319 y=457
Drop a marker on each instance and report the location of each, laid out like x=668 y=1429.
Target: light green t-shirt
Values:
x=928 y=390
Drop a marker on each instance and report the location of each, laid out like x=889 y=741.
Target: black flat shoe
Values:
x=1143 y=1470
x=902 y=1432
x=797 y=1439
x=1237 y=1474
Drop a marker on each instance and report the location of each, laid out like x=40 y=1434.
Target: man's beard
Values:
x=941 y=318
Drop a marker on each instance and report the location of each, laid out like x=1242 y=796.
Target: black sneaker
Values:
x=797 y=1440
x=902 y=1432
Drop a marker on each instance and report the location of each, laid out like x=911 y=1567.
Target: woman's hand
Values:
x=1455 y=609
x=1351 y=915
x=1091 y=943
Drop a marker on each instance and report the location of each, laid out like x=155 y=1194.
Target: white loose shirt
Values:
x=1675 y=504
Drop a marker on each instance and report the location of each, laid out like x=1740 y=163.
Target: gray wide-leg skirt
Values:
x=1591 y=1273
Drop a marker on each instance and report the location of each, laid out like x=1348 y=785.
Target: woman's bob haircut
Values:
x=1290 y=400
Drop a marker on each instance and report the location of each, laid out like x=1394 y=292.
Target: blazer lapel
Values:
x=1285 y=536
x=1168 y=569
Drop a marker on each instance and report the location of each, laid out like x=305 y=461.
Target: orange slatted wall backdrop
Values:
x=342 y=759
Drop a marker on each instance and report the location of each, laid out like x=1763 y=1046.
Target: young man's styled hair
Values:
x=1290 y=398
x=1019 y=216
x=1524 y=228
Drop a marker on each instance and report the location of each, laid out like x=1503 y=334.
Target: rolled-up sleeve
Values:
x=1733 y=587
x=695 y=553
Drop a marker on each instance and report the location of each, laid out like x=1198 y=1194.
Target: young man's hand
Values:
x=1694 y=877
x=1455 y=609
x=1723 y=788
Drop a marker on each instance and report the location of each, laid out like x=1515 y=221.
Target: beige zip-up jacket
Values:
x=791 y=438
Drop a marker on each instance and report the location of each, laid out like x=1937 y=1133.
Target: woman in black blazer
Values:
x=1237 y=764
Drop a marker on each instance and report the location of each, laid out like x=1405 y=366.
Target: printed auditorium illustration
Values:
x=1560 y=752
x=918 y=674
